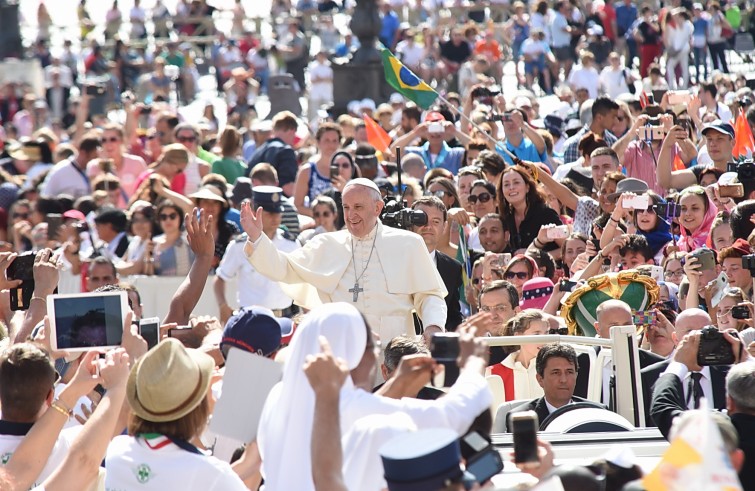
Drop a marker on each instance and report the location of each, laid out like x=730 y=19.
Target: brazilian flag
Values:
x=405 y=82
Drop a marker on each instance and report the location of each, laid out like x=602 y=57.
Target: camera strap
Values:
x=83 y=174
x=439 y=159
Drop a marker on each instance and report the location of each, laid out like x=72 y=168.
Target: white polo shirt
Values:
x=131 y=464
x=254 y=288
x=9 y=443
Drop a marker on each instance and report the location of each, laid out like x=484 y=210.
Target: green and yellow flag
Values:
x=405 y=82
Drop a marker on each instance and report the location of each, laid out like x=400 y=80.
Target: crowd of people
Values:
x=614 y=186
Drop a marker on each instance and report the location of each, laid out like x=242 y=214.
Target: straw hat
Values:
x=208 y=192
x=168 y=382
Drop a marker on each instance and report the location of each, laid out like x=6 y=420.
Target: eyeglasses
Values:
x=169 y=216
x=111 y=140
x=563 y=331
x=670 y=274
x=186 y=139
x=500 y=308
x=511 y=275
x=324 y=214
x=482 y=197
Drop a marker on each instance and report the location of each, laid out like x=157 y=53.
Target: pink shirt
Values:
x=128 y=174
x=639 y=163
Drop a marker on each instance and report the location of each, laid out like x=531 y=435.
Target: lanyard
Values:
x=182 y=444
x=438 y=160
x=83 y=174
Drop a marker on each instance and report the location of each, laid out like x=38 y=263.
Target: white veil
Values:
x=285 y=430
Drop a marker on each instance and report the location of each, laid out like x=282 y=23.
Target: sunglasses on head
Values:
x=168 y=216
x=482 y=198
x=511 y=275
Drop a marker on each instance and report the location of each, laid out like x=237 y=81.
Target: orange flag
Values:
x=744 y=143
x=376 y=135
x=678 y=164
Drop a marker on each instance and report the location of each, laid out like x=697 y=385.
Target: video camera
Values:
x=397 y=215
x=745 y=170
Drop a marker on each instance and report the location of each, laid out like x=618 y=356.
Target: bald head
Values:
x=690 y=320
x=612 y=313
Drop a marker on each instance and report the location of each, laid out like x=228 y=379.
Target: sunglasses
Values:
x=111 y=140
x=21 y=215
x=563 y=331
x=186 y=139
x=169 y=216
x=344 y=164
x=108 y=186
x=511 y=275
x=482 y=197
x=440 y=193
x=324 y=214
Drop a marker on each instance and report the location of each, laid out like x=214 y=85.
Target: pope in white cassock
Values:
x=386 y=273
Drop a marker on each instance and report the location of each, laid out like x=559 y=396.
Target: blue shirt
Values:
x=525 y=151
x=388 y=31
x=449 y=158
x=625 y=17
x=701 y=26
x=559 y=38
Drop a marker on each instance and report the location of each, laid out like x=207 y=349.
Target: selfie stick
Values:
x=464 y=117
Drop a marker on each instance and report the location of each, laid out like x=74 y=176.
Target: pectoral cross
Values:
x=356 y=291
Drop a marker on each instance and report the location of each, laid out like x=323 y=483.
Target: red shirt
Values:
x=608 y=15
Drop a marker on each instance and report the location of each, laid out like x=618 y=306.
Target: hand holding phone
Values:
x=558 y=232
x=524 y=426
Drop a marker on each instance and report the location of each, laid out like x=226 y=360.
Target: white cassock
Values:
x=399 y=278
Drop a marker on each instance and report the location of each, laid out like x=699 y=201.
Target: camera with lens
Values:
x=748 y=263
x=714 y=348
x=745 y=170
x=397 y=215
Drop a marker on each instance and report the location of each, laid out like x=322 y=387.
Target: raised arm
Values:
x=81 y=465
x=667 y=178
x=562 y=193
x=46 y=276
x=326 y=375
x=32 y=454
x=620 y=147
x=202 y=243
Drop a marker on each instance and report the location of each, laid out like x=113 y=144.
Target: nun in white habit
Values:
x=285 y=429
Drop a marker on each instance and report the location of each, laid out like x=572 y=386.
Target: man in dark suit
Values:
x=278 y=151
x=669 y=399
x=713 y=378
x=111 y=226
x=449 y=268
x=556 y=366
x=609 y=314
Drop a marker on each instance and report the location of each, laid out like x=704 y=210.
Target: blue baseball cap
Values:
x=254 y=329
x=721 y=127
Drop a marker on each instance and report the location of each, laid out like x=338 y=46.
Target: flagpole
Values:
x=463 y=116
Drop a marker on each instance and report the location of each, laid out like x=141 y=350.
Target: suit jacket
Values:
x=450 y=273
x=538 y=405
x=647 y=358
x=651 y=383
x=745 y=425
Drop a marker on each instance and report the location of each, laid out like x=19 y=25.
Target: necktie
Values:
x=695 y=390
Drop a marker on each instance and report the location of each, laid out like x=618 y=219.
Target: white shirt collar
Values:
x=552 y=408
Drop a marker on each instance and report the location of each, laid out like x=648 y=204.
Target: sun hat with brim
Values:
x=629 y=185
x=25 y=152
x=169 y=382
x=209 y=193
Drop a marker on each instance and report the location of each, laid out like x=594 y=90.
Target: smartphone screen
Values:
x=183 y=334
x=22 y=268
x=485 y=466
x=524 y=426
x=54 y=221
x=149 y=329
